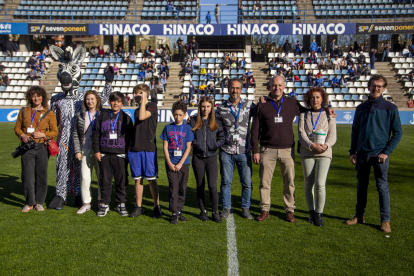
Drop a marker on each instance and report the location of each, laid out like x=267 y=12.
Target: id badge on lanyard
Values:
x=278 y=119
x=236 y=135
x=178 y=152
x=113 y=135
x=31 y=129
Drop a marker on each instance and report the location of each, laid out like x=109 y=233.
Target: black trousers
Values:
x=209 y=166
x=112 y=166
x=34 y=174
x=177 y=185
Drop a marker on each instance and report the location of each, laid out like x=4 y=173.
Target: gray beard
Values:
x=234 y=98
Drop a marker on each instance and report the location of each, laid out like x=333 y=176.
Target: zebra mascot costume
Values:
x=65 y=106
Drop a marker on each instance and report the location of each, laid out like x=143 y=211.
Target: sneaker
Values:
x=85 y=208
x=136 y=211
x=225 y=213
x=246 y=213
x=355 y=220
x=174 y=218
x=157 y=212
x=181 y=217
x=39 y=208
x=27 y=208
x=216 y=217
x=386 y=227
x=203 y=215
x=103 y=210
x=122 y=210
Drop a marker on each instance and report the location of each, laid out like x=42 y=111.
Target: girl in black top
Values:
x=208 y=137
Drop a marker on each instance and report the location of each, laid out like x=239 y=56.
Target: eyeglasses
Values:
x=377 y=86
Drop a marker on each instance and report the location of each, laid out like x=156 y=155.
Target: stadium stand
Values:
x=404 y=68
x=157 y=10
x=270 y=9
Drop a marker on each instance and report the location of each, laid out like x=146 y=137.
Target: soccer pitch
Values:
x=64 y=243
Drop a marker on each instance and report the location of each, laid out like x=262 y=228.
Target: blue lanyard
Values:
x=113 y=125
x=178 y=139
x=238 y=113
x=278 y=110
x=94 y=121
x=32 y=116
x=314 y=125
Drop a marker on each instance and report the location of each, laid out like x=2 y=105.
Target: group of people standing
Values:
x=104 y=138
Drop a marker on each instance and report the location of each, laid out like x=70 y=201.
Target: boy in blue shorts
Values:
x=177 y=137
x=143 y=151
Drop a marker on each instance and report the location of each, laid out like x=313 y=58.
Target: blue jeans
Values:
x=244 y=165
x=363 y=168
x=385 y=54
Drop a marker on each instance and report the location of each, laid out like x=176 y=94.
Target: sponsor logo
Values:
x=348 y=116
x=386 y=28
x=39 y=29
x=318 y=29
x=12 y=116
x=124 y=29
x=5 y=28
x=252 y=29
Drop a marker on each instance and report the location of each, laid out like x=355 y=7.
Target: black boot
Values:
x=78 y=201
x=311 y=216
x=318 y=219
x=57 y=203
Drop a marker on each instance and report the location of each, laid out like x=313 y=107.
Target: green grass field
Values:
x=64 y=243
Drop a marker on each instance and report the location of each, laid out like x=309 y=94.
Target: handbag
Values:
x=50 y=144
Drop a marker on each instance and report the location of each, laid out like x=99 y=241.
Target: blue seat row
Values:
x=74 y=3
x=12 y=59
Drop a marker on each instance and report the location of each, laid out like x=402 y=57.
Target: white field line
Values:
x=232 y=260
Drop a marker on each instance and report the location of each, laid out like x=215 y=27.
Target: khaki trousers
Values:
x=268 y=160
x=89 y=163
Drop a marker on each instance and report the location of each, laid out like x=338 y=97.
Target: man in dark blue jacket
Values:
x=376 y=132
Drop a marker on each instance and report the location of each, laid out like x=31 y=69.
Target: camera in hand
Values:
x=23 y=148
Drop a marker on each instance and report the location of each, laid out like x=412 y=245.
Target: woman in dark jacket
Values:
x=85 y=122
x=209 y=137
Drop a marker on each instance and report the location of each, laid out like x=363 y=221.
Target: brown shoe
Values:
x=385 y=227
x=264 y=215
x=290 y=217
x=355 y=220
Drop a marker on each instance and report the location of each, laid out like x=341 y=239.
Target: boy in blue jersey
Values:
x=177 y=137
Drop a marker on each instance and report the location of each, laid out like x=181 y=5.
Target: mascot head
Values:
x=69 y=73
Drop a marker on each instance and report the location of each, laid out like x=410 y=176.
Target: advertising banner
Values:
x=165 y=115
x=58 y=29
x=385 y=28
x=223 y=29
x=13 y=28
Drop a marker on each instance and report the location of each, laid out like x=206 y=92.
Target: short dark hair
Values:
x=235 y=80
x=39 y=91
x=116 y=96
x=324 y=96
x=377 y=77
x=179 y=105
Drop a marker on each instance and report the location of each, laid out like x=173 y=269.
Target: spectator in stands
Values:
x=293 y=64
x=188 y=69
x=386 y=51
x=301 y=65
x=245 y=81
x=120 y=52
x=310 y=77
x=298 y=48
x=4 y=80
x=116 y=69
x=338 y=52
x=192 y=89
x=233 y=65
x=362 y=70
x=208 y=18
x=257 y=6
x=169 y=7
x=410 y=103
x=195 y=47
x=343 y=82
x=272 y=64
x=180 y=8
x=115 y=53
x=313 y=46
x=163 y=81
x=217 y=13
x=108 y=53
x=252 y=81
x=294 y=12
x=286 y=47
x=343 y=64
x=159 y=87
x=282 y=68
x=287 y=68
x=332 y=47
x=193 y=101
x=101 y=52
x=356 y=47
x=202 y=89
x=242 y=63
x=349 y=59
x=217 y=76
x=225 y=83
x=210 y=75
x=411 y=75
x=133 y=50
x=211 y=90
x=335 y=82
x=141 y=75
x=337 y=63
x=293 y=93
x=147 y=52
x=406 y=52
x=362 y=58
x=181 y=51
x=42 y=68
x=195 y=64
x=319 y=81
x=188 y=47
x=372 y=58
x=321 y=65
x=125 y=59
x=233 y=57
x=46 y=52
x=30 y=76
x=131 y=57
x=226 y=63
x=329 y=63
x=353 y=72
x=10 y=47
x=279 y=59
x=2 y=68
x=152 y=84
x=241 y=14
x=289 y=76
x=151 y=64
x=165 y=68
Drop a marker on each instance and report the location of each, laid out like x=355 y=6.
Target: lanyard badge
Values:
x=32 y=116
x=113 y=135
x=278 y=119
x=94 y=121
x=178 y=152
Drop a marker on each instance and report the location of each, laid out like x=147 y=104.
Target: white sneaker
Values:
x=85 y=208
